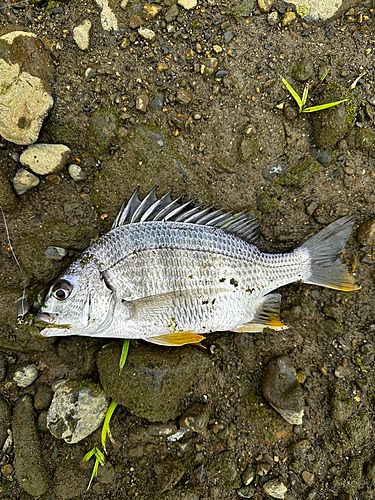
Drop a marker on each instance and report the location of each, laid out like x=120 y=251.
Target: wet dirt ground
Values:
x=212 y=138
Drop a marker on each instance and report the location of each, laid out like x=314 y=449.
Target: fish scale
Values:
x=169 y=281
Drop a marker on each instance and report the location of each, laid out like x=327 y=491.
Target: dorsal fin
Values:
x=151 y=209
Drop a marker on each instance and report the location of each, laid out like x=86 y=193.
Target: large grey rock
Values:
x=31 y=472
x=155 y=381
x=25 y=83
x=321 y=10
x=44 y=159
x=77 y=410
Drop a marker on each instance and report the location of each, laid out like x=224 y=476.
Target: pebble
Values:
x=228 y=36
x=366 y=233
x=142 y=102
x=107 y=16
x=24 y=180
x=157 y=102
x=135 y=21
x=82 y=34
x=272 y=18
x=288 y=19
x=147 y=34
x=76 y=411
x=208 y=67
x=187 y=4
x=77 y=173
x=26 y=74
x=273 y=170
x=31 y=471
x=275 y=488
x=171 y=14
x=168 y=473
x=151 y=10
x=43 y=397
x=124 y=4
x=162 y=430
x=44 y=159
x=307 y=477
x=55 y=253
x=26 y=376
x=248 y=476
x=195 y=418
x=184 y=96
x=281 y=389
x=265 y=5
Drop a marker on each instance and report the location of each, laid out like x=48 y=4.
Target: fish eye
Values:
x=61 y=290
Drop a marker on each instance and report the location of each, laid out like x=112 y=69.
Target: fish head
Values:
x=77 y=303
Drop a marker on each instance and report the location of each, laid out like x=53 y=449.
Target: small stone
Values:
x=265 y=5
x=303 y=71
x=287 y=20
x=217 y=49
x=307 y=477
x=208 y=67
x=184 y=96
x=162 y=66
x=243 y=9
x=246 y=492
x=124 y=4
x=228 y=36
x=142 y=102
x=366 y=233
x=290 y=112
x=171 y=14
x=272 y=18
x=77 y=173
x=195 y=418
x=44 y=159
x=55 y=253
x=281 y=389
x=187 y=4
x=26 y=376
x=343 y=371
x=43 y=397
x=300 y=448
x=157 y=102
x=82 y=34
x=151 y=10
x=162 y=430
x=24 y=180
x=147 y=34
x=273 y=170
x=125 y=43
x=248 y=476
x=135 y=21
x=275 y=488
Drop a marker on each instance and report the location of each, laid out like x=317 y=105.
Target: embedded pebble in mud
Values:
x=209 y=66
x=31 y=471
x=281 y=389
x=43 y=397
x=162 y=430
x=82 y=34
x=55 y=253
x=195 y=418
x=26 y=376
x=147 y=34
x=366 y=233
x=76 y=410
x=142 y=102
x=44 y=159
x=265 y=5
x=151 y=10
x=275 y=488
x=288 y=19
x=26 y=75
x=187 y=4
x=24 y=180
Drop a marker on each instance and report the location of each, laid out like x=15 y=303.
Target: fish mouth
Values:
x=47 y=317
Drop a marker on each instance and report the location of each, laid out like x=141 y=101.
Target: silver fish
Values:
x=169 y=272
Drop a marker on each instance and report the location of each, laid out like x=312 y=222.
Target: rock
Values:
x=366 y=233
x=303 y=71
x=142 y=102
x=5 y=420
x=362 y=139
x=8 y=200
x=168 y=473
x=103 y=129
x=208 y=67
x=26 y=376
x=82 y=34
x=26 y=76
x=316 y=10
x=43 y=397
x=157 y=102
x=281 y=389
x=151 y=10
x=307 y=477
x=331 y=125
x=154 y=382
x=44 y=159
x=55 y=253
x=24 y=180
x=275 y=488
x=184 y=96
x=300 y=448
x=341 y=404
x=77 y=173
x=147 y=34
x=171 y=14
x=243 y=9
x=161 y=430
x=107 y=16
x=187 y=4
x=246 y=492
x=265 y=5
x=135 y=21
x=300 y=174
x=31 y=472
x=248 y=147
x=287 y=20
x=272 y=18
x=77 y=410
x=276 y=169
x=70 y=479
x=124 y=4
x=195 y=418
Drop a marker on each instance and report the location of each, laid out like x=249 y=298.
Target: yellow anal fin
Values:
x=176 y=339
x=267 y=315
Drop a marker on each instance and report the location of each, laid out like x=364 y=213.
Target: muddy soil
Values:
x=138 y=112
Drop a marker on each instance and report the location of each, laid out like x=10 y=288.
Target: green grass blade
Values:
x=354 y=84
x=322 y=106
x=88 y=455
x=105 y=429
x=124 y=354
x=100 y=457
x=293 y=93
x=93 y=474
x=322 y=78
x=304 y=95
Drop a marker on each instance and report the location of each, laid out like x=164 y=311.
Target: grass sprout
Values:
x=302 y=101
x=106 y=432
x=354 y=84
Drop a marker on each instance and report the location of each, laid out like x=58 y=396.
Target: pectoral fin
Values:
x=267 y=315
x=176 y=339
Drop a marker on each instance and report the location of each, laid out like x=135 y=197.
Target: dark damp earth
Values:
x=198 y=107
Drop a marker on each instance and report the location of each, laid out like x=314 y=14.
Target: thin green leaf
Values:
x=124 y=355
x=105 y=429
x=293 y=93
x=304 y=95
x=93 y=474
x=88 y=455
x=322 y=106
x=354 y=84
x=322 y=78
x=361 y=365
x=100 y=457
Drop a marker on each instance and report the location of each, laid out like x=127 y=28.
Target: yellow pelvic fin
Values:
x=176 y=339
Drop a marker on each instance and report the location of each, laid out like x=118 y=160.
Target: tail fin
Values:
x=325 y=248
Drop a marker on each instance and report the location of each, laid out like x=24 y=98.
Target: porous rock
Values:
x=44 y=159
x=77 y=410
x=25 y=376
x=25 y=77
x=282 y=390
x=24 y=180
x=155 y=381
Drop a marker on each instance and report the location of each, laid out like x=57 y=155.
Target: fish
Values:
x=170 y=272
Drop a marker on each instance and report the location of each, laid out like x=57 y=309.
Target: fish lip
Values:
x=46 y=317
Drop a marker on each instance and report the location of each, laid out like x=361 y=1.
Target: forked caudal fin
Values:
x=325 y=248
